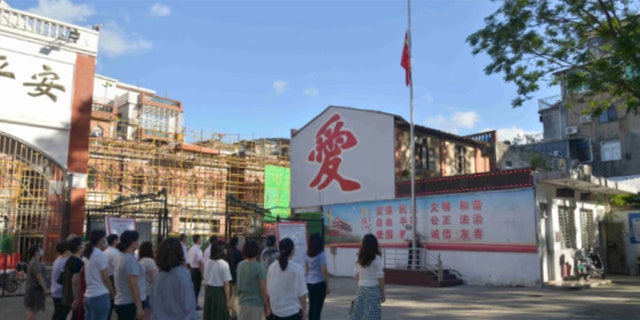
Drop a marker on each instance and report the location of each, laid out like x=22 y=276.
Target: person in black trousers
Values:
x=196 y=264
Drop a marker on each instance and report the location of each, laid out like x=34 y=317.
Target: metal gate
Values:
x=149 y=211
x=33 y=198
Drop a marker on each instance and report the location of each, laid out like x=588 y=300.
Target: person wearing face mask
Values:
x=129 y=279
x=35 y=289
x=99 y=291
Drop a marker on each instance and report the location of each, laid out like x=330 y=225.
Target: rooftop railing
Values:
x=32 y=25
x=549 y=102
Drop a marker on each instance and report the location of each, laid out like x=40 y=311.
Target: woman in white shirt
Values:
x=148 y=262
x=217 y=294
x=286 y=287
x=370 y=281
x=99 y=290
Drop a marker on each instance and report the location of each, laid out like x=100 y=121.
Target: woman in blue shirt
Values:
x=317 y=275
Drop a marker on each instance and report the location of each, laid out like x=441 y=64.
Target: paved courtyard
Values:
x=618 y=300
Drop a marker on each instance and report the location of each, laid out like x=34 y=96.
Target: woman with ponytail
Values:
x=99 y=290
x=286 y=286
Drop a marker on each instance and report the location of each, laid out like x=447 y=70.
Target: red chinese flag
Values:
x=406 y=59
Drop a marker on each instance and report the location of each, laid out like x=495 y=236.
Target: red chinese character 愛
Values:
x=331 y=139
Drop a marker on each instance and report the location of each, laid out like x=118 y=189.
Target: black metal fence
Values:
x=149 y=211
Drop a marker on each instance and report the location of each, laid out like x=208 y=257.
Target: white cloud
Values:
x=114 y=41
x=63 y=10
x=465 y=119
x=159 y=10
x=279 y=86
x=507 y=134
x=310 y=91
x=457 y=121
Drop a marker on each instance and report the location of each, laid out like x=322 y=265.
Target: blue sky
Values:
x=260 y=68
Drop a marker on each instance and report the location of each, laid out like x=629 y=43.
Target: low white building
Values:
x=514 y=227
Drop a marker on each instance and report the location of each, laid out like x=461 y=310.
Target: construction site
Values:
x=197 y=184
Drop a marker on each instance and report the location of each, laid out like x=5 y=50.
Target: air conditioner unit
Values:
x=585 y=118
x=585 y=169
x=572 y=130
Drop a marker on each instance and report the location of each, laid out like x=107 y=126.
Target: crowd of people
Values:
x=117 y=273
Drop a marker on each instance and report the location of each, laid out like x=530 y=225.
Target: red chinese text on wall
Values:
x=331 y=140
x=467 y=224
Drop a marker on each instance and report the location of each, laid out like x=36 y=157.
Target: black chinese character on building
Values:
x=2 y=66
x=45 y=85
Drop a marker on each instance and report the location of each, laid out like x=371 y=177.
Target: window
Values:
x=137 y=182
x=609 y=115
x=461 y=159
x=425 y=156
x=96 y=131
x=610 y=151
x=121 y=127
x=587 y=228
x=91 y=178
x=580 y=149
x=152 y=182
x=567 y=227
x=215 y=226
x=576 y=82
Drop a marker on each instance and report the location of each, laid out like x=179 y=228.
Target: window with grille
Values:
x=461 y=159
x=138 y=182
x=425 y=156
x=587 y=228
x=567 y=227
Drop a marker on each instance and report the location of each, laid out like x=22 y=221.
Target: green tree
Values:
x=589 y=44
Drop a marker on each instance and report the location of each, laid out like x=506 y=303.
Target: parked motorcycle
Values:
x=10 y=280
x=589 y=264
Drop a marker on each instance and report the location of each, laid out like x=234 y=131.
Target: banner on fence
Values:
x=117 y=225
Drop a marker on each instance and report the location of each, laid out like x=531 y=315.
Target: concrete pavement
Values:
x=617 y=300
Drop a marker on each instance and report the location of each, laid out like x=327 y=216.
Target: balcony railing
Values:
x=101 y=107
x=161 y=100
x=34 y=26
x=549 y=102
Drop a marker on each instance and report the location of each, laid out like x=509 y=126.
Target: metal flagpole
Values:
x=414 y=250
